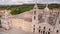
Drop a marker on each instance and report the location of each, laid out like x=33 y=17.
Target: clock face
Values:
x=52 y=19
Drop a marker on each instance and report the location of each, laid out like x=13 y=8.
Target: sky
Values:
x=12 y=2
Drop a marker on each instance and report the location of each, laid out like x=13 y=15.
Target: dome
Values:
x=46 y=9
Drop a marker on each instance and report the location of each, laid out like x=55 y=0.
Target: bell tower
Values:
x=35 y=18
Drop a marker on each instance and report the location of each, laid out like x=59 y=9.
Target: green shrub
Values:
x=20 y=9
x=17 y=9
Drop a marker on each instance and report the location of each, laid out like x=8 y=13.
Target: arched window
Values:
x=33 y=25
x=43 y=32
x=0 y=24
x=59 y=22
x=44 y=28
x=49 y=29
x=33 y=28
x=57 y=31
x=48 y=32
x=39 y=29
x=34 y=12
x=34 y=17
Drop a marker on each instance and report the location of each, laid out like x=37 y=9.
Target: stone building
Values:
x=9 y=21
x=5 y=19
x=45 y=22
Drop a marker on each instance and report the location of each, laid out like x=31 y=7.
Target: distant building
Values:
x=5 y=19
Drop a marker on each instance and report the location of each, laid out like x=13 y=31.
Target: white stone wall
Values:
x=48 y=26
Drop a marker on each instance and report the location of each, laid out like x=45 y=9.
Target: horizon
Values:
x=20 y=2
